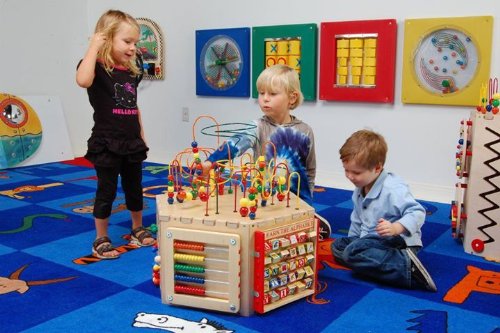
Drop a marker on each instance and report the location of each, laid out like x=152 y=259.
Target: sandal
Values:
x=138 y=236
x=102 y=245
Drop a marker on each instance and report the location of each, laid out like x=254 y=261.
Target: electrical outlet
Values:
x=185 y=114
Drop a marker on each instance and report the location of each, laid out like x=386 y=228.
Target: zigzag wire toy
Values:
x=474 y=212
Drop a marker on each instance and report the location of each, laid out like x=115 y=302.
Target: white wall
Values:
x=51 y=36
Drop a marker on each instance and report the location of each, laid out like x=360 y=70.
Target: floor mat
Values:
x=50 y=283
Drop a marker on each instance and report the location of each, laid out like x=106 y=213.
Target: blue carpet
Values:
x=46 y=225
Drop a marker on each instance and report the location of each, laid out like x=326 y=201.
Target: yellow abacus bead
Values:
x=196 y=155
x=170 y=189
x=281 y=180
x=251 y=203
x=261 y=158
x=189 y=196
x=188 y=257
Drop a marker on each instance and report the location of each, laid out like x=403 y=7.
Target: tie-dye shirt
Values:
x=294 y=144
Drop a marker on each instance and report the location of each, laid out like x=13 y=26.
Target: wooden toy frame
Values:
x=383 y=89
x=228 y=243
x=152 y=51
x=474 y=212
x=284 y=253
x=236 y=40
x=260 y=253
x=246 y=243
x=475 y=30
x=308 y=34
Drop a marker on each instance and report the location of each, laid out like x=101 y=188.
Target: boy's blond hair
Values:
x=108 y=24
x=367 y=148
x=281 y=76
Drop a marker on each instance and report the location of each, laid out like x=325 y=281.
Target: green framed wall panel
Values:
x=308 y=35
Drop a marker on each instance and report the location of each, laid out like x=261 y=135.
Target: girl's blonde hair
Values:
x=365 y=147
x=108 y=25
x=279 y=77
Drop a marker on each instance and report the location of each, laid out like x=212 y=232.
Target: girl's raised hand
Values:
x=97 y=41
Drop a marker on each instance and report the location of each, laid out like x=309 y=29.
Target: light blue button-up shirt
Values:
x=389 y=198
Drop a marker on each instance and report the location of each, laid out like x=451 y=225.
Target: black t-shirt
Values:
x=114 y=99
x=117 y=130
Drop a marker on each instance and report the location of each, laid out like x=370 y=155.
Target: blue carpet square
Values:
x=384 y=311
x=41 y=299
x=49 y=169
x=10 y=176
x=34 y=225
x=10 y=203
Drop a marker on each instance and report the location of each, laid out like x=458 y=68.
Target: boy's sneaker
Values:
x=324 y=228
x=419 y=274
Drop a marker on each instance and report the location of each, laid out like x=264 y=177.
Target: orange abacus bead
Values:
x=189 y=246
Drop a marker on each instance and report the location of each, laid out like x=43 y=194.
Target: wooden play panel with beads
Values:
x=205 y=269
x=213 y=258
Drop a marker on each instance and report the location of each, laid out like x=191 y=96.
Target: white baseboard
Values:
x=421 y=191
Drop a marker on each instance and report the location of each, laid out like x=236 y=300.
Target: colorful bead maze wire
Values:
x=259 y=180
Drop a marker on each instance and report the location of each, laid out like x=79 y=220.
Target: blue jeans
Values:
x=380 y=258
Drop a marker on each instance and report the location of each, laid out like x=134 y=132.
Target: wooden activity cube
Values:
x=475 y=212
x=213 y=258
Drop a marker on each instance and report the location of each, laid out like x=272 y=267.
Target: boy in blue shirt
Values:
x=384 y=236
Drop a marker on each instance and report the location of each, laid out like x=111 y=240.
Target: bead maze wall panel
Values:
x=445 y=60
x=285 y=268
x=223 y=62
x=357 y=61
x=294 y=45
x=151 y=47
x=476 y=212
x=202 y=269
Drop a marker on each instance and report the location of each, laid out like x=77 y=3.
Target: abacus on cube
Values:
x=475 y=213
x=218 y=255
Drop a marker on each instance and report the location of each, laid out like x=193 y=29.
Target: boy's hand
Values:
x=205 y=167
x=387 y=229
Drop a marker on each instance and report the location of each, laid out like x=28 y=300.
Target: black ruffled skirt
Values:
x=108 y=152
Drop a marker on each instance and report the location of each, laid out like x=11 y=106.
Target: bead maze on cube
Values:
x=475 y=213
x=236 y=239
